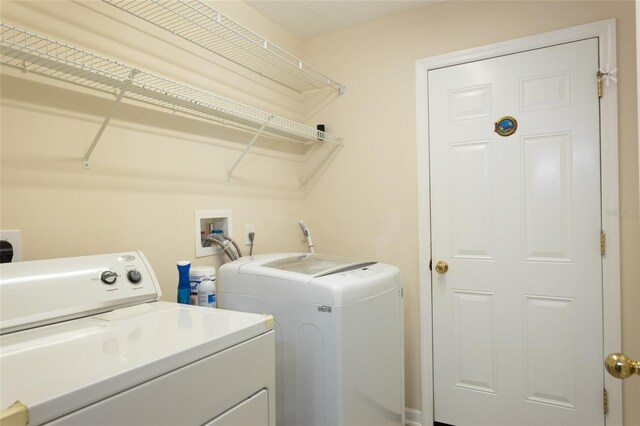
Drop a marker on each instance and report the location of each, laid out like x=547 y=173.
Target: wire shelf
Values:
x=199 y=23
x=41 y=55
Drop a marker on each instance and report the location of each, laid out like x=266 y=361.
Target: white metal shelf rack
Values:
x=203 y=25
x=41 y=55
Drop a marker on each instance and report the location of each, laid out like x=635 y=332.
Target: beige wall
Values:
x=152 y=169
x=365 y=204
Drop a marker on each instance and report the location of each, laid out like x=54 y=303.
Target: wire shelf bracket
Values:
x=306 y=178
x=107 y=119
x=246 y=150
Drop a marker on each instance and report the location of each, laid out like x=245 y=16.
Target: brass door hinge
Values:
x=599 y=78
x=605 y=401
x=602 y=243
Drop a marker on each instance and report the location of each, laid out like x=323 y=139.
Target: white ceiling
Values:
x=310 y=18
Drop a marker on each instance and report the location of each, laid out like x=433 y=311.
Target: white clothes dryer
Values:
x=339 y=334
x=85 y=341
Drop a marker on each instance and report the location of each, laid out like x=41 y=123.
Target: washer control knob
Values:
x=134 y=276
x=109 y=277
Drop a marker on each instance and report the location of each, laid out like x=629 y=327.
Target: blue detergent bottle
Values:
x=184 y=285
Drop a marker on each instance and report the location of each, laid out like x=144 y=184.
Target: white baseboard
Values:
x=412 y=417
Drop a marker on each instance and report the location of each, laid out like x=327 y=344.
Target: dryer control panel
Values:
x=40 y=292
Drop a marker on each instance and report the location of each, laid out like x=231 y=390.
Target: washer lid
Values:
x=307 y=278
x=316 y=265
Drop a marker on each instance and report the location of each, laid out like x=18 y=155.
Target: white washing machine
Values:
x=339 y=334
x=85 y=341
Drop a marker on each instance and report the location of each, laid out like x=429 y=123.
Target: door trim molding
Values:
x=638 y=78
x=605 y=32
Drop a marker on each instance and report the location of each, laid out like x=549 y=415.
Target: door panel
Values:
x=546 y=194
x=471 y=200
x=517 y=319
x=550 y=375
x=474 y=341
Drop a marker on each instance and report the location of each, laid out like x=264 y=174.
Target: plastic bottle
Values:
x=207 y=293
x=184 y=286
x=196 y=275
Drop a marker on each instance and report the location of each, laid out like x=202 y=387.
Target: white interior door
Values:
x=517 y=318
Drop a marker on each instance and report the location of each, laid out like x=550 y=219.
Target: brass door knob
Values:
x=621 y=366
x=442 y=267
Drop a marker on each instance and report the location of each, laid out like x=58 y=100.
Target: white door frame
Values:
x=605 y=31
x=638 y=78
